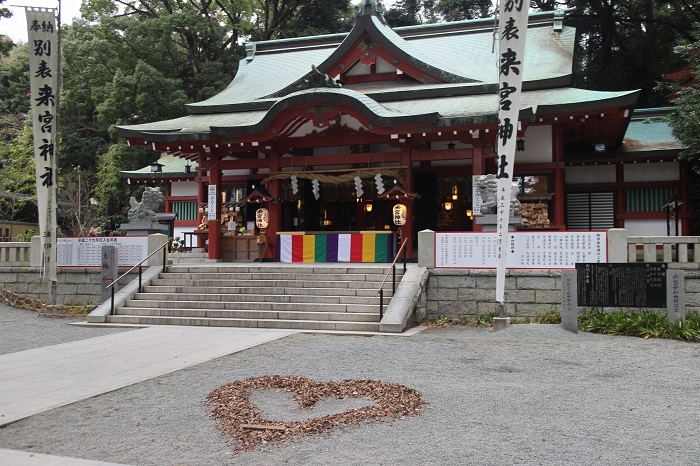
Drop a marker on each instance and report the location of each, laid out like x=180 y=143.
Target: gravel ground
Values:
x=532 y=394
x=21 y=330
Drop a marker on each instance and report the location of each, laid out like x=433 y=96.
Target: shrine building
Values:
x=317 y=130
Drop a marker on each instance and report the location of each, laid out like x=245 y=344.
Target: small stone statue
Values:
x=145 y=210
x=487 y=185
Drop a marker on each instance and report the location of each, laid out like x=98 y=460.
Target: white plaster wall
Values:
x=384 y=66
x=651 y=227
x=595 y=174
x=538 y=145
x=668 y=171
x=183 y=188
x=179 y=234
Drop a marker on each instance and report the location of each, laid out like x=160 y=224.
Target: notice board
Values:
x=86 y=251
x=622 y=285
x=527 y=250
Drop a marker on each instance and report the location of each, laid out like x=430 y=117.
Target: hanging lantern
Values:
x=399 y=214
x=262 y=217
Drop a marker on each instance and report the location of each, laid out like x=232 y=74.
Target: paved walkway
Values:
x=45 y=378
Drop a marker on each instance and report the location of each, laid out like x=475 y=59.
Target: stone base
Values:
x=500 y=323
x=144 y=228
x=489 y=222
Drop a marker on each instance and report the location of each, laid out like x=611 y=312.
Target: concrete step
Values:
x=198 y=294
x=276 y=276
x=250 y=314
x=234 y=290
x=303 y=297
x=268 y=283
x=364 y=268
x=249 y=323
x=265 y=306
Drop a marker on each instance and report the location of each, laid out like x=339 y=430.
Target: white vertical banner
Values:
x=42 y=34
x=512 y=29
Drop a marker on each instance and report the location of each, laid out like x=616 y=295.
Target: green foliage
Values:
x=552 y=316
x=318 y=17
x=629 y=45
x=14 y=81
x=18 y=180
x=79 y=311
x=5 y=45
x=640 y=324
x=111 y=190
x=26 y=237
x=409 y=12
x=685 y=119
x=442 y=319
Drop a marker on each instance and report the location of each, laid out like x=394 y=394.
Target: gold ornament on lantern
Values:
x=262 y=217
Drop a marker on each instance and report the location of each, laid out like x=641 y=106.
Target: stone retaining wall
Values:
x=466 y=292
x=75 y=286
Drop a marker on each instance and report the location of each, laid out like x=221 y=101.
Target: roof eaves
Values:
x=369 y=108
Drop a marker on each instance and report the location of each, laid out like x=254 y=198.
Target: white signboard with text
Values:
x=87 y=251
x=211 y=205
x=526 y=249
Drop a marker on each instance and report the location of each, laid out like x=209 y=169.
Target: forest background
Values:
x=136 y=61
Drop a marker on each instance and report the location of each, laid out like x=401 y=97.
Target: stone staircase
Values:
x=341 y=297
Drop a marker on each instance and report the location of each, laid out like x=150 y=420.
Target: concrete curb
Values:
x=401 y=312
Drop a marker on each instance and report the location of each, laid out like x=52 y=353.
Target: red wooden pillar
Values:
x=275 y=208
x=215 y=225
x=202 y=181
x=408 y=228
x=168 y=193
x=559 y=177
x=683 y=212
x=620 y=206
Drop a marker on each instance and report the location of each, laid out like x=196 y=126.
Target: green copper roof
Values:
x=171 y=166
x=649 y=134
x=464 y=54
x=470 y=109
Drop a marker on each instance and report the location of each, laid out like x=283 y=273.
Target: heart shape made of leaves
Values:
x=242 y=421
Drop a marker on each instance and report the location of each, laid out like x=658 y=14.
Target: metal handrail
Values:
x=391 y=268
x=140 y=266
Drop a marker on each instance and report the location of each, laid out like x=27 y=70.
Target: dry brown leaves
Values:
x=235 y=413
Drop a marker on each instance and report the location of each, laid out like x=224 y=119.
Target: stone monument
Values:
x=142 y=215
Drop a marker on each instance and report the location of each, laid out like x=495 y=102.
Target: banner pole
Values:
x=512 y=29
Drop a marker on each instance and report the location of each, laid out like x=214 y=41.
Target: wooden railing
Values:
x=16 y=254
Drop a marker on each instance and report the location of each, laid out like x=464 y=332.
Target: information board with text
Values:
x=86 y=251
x=527 y=250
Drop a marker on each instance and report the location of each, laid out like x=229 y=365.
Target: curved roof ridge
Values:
x=394 y=44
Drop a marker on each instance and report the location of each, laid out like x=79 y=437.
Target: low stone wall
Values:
x=75 y=286
x=466 y=292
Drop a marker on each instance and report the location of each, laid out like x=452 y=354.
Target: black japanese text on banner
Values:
x=512 y=30
x=42 y=36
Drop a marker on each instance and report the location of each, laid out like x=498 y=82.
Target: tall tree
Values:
x=685 y=119
x=409 y=12
x=18 y=183
x=629 y=44
x=318 y=17
x=6 y=43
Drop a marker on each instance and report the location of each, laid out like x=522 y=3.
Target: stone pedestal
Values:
x=144 y=228
x=489 y=222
